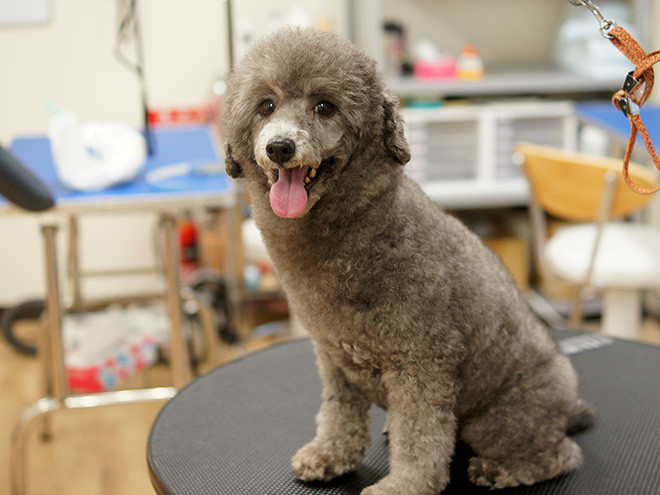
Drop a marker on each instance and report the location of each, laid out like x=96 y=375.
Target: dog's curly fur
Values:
x=406 y=307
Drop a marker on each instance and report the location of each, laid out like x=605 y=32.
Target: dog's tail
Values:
x=581 y=417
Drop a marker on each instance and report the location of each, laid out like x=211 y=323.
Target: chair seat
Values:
x=628 y=256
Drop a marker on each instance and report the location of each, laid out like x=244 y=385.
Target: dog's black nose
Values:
x=281 y=150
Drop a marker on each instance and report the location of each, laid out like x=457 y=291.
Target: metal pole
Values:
x=178 y=354
x=230 y=33
x=54 y=354
x=233 y=267
x=73 y=263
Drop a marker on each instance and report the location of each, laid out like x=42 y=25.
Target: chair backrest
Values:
x=569 y=185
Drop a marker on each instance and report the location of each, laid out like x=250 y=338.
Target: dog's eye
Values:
x=324 y=109
x=267 y=107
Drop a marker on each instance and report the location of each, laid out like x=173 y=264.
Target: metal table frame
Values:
x=191 y=143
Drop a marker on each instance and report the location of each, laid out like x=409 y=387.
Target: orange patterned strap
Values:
x=629 y=101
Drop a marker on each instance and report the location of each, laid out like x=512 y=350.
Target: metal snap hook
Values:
x=606 y=25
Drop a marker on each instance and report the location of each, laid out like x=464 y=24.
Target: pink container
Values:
x=444 y=68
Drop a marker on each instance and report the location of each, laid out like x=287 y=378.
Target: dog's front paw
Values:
x=377 y=489
x=323 y=462
x=391 y=485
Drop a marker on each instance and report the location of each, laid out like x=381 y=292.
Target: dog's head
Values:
x=301 y=105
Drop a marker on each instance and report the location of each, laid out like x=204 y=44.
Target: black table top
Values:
x=233 y=430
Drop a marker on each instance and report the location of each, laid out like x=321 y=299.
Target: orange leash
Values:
x=628 y=100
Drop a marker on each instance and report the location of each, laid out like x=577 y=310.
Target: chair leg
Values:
x=575 y=317
x=622 y=313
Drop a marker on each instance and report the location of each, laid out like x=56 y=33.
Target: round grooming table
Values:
x=233 y=430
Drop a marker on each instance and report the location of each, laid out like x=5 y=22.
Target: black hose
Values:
x=27 y=310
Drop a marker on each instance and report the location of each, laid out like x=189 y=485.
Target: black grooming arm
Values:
x=20 y=186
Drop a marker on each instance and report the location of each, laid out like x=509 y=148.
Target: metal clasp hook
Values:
x=606 y=25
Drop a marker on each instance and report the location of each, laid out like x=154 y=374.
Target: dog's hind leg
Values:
x=521 y=438
x=342 y=433
x=525 y=469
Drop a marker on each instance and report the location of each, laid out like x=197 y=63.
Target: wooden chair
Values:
x=600 y=250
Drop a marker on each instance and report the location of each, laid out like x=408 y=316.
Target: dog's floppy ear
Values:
x=232 y=167
x=394 y=139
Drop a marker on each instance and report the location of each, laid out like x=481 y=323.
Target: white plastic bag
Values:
x=96 y=155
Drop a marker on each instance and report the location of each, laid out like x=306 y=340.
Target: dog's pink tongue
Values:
x=288 y=197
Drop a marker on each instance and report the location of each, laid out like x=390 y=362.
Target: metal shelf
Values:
x=504 y=82
x=470 y=194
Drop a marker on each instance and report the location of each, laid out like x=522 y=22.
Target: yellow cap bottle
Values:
x=469 y=64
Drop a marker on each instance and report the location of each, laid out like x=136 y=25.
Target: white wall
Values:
x=69 y=61
x=505 y=31
x=253 y=18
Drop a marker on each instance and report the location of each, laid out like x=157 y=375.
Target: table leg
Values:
x=233 y=268
x=73 y=265
x=178 y=355
x=51 y=352
x=54 y=351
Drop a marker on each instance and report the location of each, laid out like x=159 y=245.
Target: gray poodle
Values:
x=406 y=307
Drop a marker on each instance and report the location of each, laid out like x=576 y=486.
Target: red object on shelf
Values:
x=187 y=234
x=182 y=115
x=188 y=248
